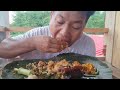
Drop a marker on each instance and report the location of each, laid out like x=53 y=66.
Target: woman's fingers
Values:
x=53 y=50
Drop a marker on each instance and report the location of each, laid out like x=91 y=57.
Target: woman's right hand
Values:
x=48 y=44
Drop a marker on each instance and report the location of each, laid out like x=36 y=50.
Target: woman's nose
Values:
x=65 y=31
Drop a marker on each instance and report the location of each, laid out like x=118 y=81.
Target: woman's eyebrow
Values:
x=78 y=21
x=60 y=15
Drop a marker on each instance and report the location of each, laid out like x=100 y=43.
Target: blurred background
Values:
x=42 y=18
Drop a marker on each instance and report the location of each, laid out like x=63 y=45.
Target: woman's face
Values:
x=67 y=25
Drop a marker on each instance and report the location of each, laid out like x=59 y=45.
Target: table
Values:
x=3 y=62
x=0 y=72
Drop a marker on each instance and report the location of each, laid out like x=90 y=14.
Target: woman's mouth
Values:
x=64 y=39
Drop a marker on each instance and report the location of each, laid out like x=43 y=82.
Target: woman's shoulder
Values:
x=87 y=37
x=44 y=30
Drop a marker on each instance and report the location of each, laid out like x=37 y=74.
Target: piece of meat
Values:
x=41 y=63
x=76 y=63
x=61 y=64
x=50 y=67
x=72 y=73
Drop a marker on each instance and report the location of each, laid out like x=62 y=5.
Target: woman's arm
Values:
x=10 y=48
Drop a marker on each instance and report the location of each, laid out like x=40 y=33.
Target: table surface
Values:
x=3 y=62
x=0 y=72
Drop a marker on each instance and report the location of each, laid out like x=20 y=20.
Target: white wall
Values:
x=4 y=18
x=4 y=21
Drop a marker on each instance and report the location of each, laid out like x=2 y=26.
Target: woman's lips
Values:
x=66 y=39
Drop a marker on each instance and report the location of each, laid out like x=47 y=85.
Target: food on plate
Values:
x=32 y=77
x=22 y=71
x=62 y=69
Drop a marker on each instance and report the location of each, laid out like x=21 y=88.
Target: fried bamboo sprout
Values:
x=22 y=71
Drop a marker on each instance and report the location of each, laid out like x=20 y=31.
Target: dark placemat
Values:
x=104 y=71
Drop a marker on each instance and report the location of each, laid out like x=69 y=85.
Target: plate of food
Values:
x=63 y=66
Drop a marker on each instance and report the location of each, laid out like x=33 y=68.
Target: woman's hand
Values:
x=48 y=44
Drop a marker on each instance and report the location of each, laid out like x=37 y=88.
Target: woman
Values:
x=65 y=30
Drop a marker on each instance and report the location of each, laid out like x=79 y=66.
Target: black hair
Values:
x=89 y=13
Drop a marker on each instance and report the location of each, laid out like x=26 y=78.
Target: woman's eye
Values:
x=60 y=22
x=76 y=27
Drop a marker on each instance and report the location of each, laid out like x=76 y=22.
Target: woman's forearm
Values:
x=10 y=48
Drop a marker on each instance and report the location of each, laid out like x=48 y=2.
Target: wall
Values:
x=4 y=21
x=116 y=45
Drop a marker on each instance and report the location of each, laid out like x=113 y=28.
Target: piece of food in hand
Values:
x=63 y=44
x=22 y=71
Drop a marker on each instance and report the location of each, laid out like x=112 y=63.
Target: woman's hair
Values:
x=89 y=13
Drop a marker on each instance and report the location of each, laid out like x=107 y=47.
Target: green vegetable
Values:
x=92 y=75
x=22 y=71
x=97 y=72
